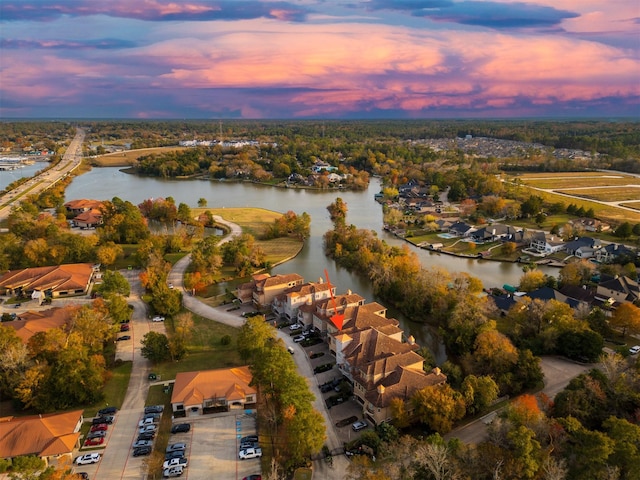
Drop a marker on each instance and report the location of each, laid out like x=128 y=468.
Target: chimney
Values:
x=348 y=292
x=380 y=389
x=436 y=371
x=411 y=340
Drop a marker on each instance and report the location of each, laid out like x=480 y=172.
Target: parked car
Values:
x=298 y=338
x=107 y=411
x=123 y=338
x=246 y=445
x=248 y=453
x=142 y=443
x=253 y=477
x=93 y=441
x=124 y=327
x=82 y=475
x=99 y=427
x=152 y=415
x=154 y=409
x=108 y=419
x=157 y=318
x=142 y=451
x=635 y=349
x=87 y=459
x=359 y=425
x=176 y=454
x=249 y=438
x=148 y=428
x=146 y=436
x=295 y=326
x=147 y=421
x=291 y=350
x=175 y=462
x=175 y=447
x=97 y=434
x=180 y=428
x=172 y=472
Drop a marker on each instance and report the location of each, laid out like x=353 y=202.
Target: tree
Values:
x=532 y=280
x=338 y=211
x=494 y=353
x=108 y=253
x=624 y=230
x=479 y=393
x=577 y=273
x=626 y=317
x=626 y=450
x=13 y=360
x=155 y=347
x=27 y=467
x=438 y=407
x=119 y=309
x=202 y=202
x=113 y=282
x=184 y=213
x=580 y=345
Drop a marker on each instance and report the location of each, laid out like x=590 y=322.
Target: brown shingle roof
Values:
x=402 y=383
x=31 y=322
x=72 y=276
x=43 y=435
x=193 y=388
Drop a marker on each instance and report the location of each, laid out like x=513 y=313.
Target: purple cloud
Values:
x=483 y=14
x=153 y=10
x=94 y=44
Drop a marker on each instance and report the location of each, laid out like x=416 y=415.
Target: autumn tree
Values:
x=626 y=317
x=338 y=211
x=155 y=347
x=438 y=407
x=577 y=273
x=532 y=280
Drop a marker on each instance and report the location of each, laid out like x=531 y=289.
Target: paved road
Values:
x=36 y=185
x=558 y=372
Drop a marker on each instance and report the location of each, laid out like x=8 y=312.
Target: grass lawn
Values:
x=303 y=474
x=114 y=390
x=252 y=220
x=205 y=350
x=634 y=205
x=609 y=194
x=127 y=158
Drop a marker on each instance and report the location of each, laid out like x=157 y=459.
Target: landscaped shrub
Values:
x=225 y=340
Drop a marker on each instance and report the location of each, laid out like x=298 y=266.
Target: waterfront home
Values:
x=288 y=303
x=583 y=247
x=545 y=244
x=612 y=251
x=263 y=288
x=54 y=281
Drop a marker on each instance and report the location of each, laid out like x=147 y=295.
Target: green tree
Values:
x=624 y=230
x=155 y=347
x=108 y=253
x=338 y=211
x=119 y=309
x=590 y=450
x=27 y=467
x=479 y=392
x=184 y=213
x=114 y=282
x=202 y=202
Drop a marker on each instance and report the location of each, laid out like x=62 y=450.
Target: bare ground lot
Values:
x=561 y=181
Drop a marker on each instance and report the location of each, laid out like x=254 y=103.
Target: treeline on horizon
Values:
x=619 y=140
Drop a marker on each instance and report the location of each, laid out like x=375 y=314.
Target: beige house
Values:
x=54 y=281
x=209 y=391
x=82 y=205
x=51 y=437
x=288 y=303
x=263 y=288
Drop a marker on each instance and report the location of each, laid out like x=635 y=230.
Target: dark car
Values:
x=124 y=327
x=82 y=475
x=141 y=451
x=180 y=428
x=146 y=436
x=174 y=454
x=107 y=411
x=108 y=419
x=153 y=409
x=249 y=438
x=245 y=445
x=124 y=337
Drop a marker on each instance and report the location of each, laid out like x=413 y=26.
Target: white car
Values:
x=299 y=338
x=359 y=425
x=634 y=350
x=173 y=472
x=88 y=458
x=157 y=318
x=176 y=462
x=248 y=453
x=295 y=326
x=147 y=421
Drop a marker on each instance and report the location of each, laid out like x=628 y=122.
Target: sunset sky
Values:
x=346 y=59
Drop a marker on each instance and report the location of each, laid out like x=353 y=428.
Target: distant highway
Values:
x=36 y=185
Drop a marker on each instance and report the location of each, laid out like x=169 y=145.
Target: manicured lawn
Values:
x=280 y=249
x=252 y=220
x=205 y=350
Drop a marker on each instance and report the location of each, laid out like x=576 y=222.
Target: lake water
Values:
x=9 y=176
x=363 y=211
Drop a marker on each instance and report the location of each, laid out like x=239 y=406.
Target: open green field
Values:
x=127 y=158
x=606 y=194
x=252 y=220
x=564 y=181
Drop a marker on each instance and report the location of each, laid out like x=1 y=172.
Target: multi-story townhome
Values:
x=620 y=289
x=319 y=314
x=611 y=251
x=288 y=303
x=263 y=288
x=546 y=244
